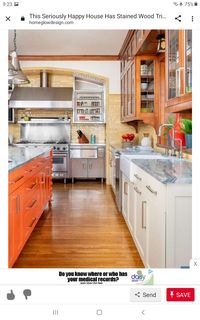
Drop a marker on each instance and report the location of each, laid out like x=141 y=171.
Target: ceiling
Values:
x=68 y=42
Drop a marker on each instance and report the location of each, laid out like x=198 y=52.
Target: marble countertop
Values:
x=168 y=170
x=87 y=144
x=133 y=150
x=18 y=156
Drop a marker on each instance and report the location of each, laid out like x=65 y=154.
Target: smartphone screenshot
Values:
x=99 y=169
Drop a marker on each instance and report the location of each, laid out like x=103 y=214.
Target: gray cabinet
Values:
x=88 y=168
x=79 y=168
x=96 y=168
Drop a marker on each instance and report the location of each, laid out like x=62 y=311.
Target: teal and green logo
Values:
x=144 y=277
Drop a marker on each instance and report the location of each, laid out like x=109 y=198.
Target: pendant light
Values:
x=11 y=70
x=161 y=43
x=19 y=77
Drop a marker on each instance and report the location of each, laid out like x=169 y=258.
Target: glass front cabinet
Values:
x=128 y=93
x=139 y=100
x=179 y=69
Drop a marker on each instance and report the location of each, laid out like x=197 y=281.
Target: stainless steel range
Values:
x=53 y=132
x=60 y=156
x=61 y=161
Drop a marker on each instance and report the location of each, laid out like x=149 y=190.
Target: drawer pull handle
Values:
x=18 y=204
x=136 y=189
x=32 y=187
x=137 y=177
x=43 y=178
x=48 y=171
x=151 y=190
x=18 y=179
x=32 y=223
x=28 y=171
x=143 y=214
x=32 y=204
x=126 y=188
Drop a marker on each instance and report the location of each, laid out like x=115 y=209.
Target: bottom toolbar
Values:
x=91 y=312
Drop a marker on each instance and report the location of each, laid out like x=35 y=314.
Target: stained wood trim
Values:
x=126 y=42
x=68 y=57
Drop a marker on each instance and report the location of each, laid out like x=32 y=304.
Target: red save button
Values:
x=180 y=294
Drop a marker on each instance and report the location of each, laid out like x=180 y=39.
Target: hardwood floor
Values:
x=83 y=229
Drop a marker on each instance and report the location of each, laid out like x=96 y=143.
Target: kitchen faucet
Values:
x=167 y=125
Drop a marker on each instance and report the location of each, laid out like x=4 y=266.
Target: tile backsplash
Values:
x=98 y=130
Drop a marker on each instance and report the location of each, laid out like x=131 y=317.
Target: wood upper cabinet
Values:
x=178 y=70
x=128 y=93
x=139 y=90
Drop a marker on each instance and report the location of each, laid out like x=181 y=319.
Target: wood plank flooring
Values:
x=83 y=229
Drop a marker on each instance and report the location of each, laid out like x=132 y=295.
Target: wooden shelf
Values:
x=147 y=76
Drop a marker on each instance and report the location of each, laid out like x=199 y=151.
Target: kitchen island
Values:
x=30 y=190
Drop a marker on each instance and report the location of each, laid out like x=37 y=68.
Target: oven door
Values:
x=60 y=162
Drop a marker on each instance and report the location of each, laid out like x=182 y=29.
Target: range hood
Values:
x=41 y=97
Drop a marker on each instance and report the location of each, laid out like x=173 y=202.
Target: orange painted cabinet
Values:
x=30 y=189
x=15 y=224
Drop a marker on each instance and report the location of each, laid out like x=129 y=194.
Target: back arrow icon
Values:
x=143 y=312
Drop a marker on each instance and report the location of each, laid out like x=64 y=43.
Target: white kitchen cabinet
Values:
x=159 y=217
x=112 y=169
x=132 y=209
x=154 y=193
x=125 y=197
x=140 y=234
x=178 y=226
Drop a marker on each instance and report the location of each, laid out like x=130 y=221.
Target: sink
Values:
x=144 y=156
x=127 y=167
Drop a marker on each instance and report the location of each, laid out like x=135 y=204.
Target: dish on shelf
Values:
x=144 y=85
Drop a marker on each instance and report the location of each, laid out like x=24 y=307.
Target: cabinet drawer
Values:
x=137 y=175
x=19 y=176
x=30 y=187
x=154 y=189
x=16 y=179
x=31 y=210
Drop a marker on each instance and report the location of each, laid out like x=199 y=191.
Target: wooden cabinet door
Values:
x=188 y=61
x=79 y=168
x=132 y=84
x=146 y=79
x=123 y=115
x=178 y=70
x=96 y=168
x=15 y=225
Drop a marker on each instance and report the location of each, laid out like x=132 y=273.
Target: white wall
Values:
x=109 y=69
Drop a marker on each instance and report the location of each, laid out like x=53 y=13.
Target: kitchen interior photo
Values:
x=100 y=148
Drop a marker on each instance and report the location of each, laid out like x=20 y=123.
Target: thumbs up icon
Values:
x=10 y=295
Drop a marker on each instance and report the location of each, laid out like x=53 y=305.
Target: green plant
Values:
x=186 y=126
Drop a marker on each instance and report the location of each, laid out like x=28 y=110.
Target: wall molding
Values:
x=68 y=57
